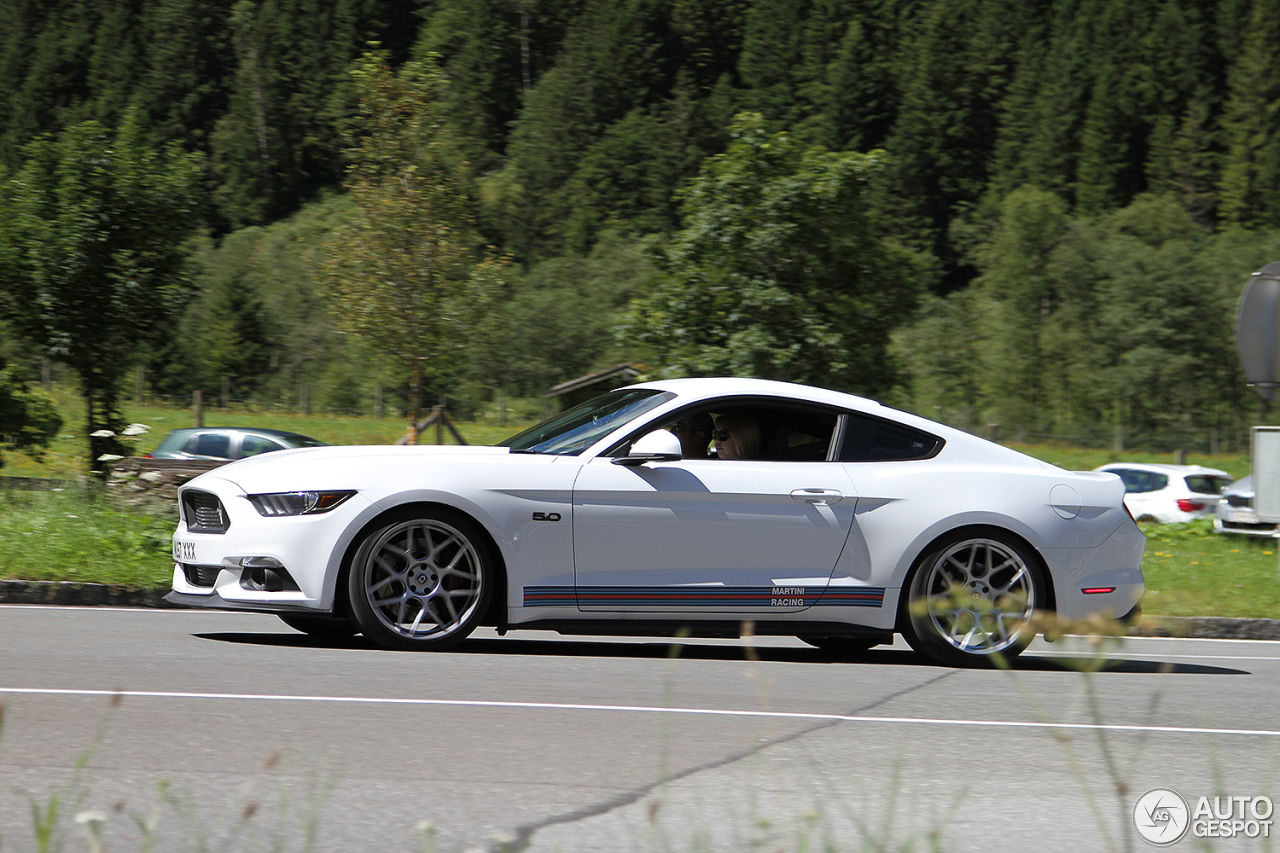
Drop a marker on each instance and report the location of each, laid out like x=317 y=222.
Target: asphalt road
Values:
x=232 y=732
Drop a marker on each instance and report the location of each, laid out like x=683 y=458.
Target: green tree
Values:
x=258 y=317
x=1251 y=124
x=91 y=259
x=953 y=72
x=280 y=141
x=556 y=323
x=616 y=68
x=28 y=419
x=1018 y=293
x=779 y=271
x=407 y=276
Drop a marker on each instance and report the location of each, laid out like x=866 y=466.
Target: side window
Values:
x=868 y=439
x=774 y=432
x=797 y=435
x=209 y=444
x=1141 y=481
x=252 y=445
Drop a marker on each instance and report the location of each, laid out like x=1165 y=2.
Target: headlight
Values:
x=297 y=503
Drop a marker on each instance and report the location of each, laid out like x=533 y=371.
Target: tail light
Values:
x=1188 y=505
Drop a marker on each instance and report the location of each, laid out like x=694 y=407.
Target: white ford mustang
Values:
x=849 y=521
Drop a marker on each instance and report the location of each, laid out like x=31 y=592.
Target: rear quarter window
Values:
x=252 y=445
x=1207 y=485
x=868 y=439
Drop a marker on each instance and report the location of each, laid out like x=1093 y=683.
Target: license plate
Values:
x=1241 y=517
x=184 y=552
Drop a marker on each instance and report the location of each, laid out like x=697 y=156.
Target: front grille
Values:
x=204 y=576
x=1239 y=500
x=204 y=513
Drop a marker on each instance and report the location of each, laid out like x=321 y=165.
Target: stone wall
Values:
x=143 y=484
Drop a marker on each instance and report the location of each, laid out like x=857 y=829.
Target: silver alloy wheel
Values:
x=423 y=579
x=978 y=596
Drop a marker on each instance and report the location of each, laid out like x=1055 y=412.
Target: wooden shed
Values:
x=583 y=388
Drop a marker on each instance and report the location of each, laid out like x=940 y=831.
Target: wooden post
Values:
x=226 y=393
x=198 y=405
x=377 y=402
x=140 y=385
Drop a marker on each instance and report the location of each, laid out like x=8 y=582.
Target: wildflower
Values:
x=92 y=822
x=110 y=457
x=102 y=433
x=136 y=429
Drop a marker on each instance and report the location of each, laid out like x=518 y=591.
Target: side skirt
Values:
x=702 y=629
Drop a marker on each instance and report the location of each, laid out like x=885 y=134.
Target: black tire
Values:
x=971 y=600
x=421 y=581
x=838 y=645
x=321 y=627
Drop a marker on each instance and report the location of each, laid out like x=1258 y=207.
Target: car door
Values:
x=713 y=537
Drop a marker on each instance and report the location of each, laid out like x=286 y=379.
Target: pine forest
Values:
x=1020 y=217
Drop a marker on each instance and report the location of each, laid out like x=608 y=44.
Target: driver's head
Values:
x=694 y=432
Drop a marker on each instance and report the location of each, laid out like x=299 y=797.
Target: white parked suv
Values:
x=1155 y=492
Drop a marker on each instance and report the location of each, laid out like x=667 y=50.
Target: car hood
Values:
x=345 y=466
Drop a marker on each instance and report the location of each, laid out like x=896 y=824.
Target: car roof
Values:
x=1164 y=468
x=692 y=389
x=260 y=430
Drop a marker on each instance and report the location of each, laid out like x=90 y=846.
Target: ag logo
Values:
x=1161 y=816
x=546 y=516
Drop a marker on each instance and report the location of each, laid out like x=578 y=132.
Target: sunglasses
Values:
x=720 y=434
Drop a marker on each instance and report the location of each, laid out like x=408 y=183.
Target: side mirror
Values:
x=658 y=446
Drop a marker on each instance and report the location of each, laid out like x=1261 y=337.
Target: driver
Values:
x=694 y=432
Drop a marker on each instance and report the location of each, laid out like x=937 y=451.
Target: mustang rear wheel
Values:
x=971 y=600
x=422 y=581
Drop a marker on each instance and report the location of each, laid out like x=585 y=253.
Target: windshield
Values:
x=571 y=432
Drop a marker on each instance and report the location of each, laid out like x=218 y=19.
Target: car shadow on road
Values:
x=654 y=648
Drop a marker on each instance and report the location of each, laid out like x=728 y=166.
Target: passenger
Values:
x=694 y=432
x=737 y=436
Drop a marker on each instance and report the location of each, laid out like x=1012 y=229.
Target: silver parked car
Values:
x=1236 y=514
x=228 y=443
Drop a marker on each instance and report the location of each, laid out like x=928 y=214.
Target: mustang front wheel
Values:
x=972 y=599
x=421 y=582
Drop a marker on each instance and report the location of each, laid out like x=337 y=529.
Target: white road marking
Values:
x=1121 y=654
x=642 y=709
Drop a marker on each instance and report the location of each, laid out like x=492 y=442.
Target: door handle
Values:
x=817 y=496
